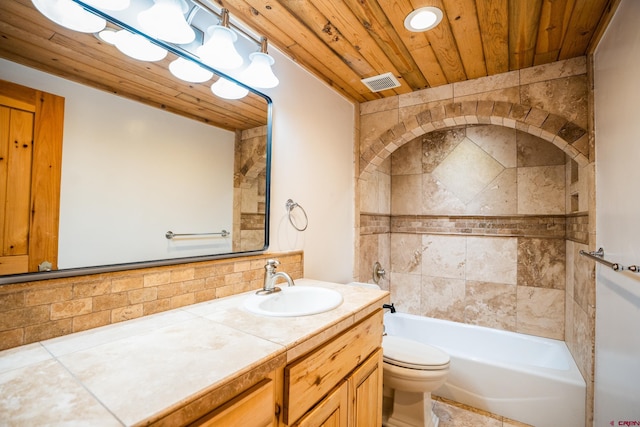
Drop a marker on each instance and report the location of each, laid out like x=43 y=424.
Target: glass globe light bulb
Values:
x=228 y=90
x=165 y=21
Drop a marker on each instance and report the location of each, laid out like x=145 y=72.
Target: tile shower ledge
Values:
x=139 y=371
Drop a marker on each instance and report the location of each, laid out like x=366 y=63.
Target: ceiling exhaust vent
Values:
x=382 y=82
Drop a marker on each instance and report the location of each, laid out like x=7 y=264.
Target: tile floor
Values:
x=453 y=414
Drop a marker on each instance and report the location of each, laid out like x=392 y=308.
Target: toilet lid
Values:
x=412 y=354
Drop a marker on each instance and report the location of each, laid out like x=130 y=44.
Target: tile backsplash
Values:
x=35 y=311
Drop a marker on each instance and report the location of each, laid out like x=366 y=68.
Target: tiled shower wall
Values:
x=249 y=186
x=477 y=229
x=484 y=224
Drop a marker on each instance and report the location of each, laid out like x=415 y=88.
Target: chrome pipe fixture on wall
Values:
x=203 y=40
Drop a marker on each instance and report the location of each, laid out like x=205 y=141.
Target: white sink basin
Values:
x=294 y=301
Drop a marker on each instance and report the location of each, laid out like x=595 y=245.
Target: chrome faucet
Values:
x=270 y=278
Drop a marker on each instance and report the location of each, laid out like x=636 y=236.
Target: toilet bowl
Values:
x=411 y=371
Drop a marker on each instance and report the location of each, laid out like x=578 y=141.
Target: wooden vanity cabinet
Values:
x=340 y=382
x=337 y=384
x=252 y=399
x=356 y=402
x=254 y=407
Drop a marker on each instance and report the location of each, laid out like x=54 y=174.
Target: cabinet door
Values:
x=365 y=392
x=253 y=408
x=332 y=411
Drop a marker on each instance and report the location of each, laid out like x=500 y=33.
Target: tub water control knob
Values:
x=378 y=272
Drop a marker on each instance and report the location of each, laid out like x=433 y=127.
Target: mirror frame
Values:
x=81 y=271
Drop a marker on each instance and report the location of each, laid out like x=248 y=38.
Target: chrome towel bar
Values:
x=599 y=257
x=170 y=234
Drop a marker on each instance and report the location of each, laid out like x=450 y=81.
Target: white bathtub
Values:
x=526 y=378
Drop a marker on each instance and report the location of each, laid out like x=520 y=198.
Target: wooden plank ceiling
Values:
x=344 y=41
x=339 y=41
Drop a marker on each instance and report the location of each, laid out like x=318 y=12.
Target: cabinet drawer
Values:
x=309 y=379
x=253 y=408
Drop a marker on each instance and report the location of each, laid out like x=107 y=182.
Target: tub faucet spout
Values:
x=270 y=278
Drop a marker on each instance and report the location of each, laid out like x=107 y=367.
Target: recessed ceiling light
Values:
x=423 y=19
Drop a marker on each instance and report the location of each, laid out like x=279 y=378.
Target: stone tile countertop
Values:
x=138 y=371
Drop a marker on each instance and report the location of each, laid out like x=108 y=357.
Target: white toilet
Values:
x=411 y=371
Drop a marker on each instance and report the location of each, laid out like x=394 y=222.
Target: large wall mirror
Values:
x=155 y=171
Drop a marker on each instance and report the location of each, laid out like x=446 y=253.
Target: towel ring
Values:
x=291 y=205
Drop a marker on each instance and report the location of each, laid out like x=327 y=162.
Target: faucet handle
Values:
x=272 y=264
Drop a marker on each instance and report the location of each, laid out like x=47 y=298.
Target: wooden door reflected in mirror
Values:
x=30 y=165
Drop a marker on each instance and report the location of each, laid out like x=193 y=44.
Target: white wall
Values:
x=313 y=134
x=617 y=112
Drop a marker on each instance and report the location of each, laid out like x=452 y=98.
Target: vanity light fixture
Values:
x=189 y=71
x=108 y=35
x=228 y=90
x=219 y=51
x=137 y=47
x=423 y=19
x=165 y=21
x=259 y=73
x=109 y=4
x=70 y=15
x=148 y=30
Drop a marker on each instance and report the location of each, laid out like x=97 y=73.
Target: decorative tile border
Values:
x=578 y=228
x=375 y=224
x=549 y=226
